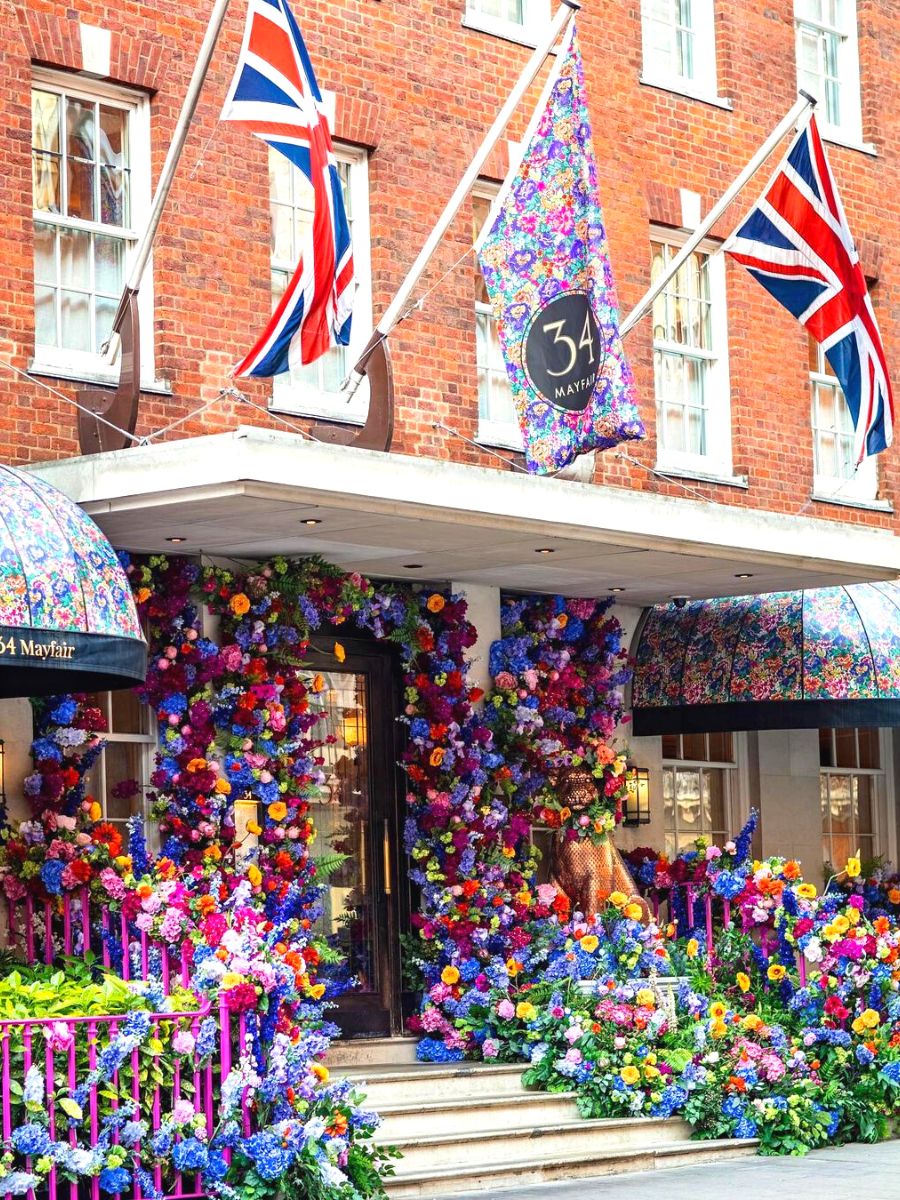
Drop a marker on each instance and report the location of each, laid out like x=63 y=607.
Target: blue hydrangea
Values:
x=434 y=1050
x=745 y=1128
x=51 y=876
x=31 y=1139
x=114 y=1180
x=190 y=1155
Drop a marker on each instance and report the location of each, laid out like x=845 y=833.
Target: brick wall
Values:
x=417 y=90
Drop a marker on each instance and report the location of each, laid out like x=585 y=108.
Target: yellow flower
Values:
x=854 y=866
x=254 y=875
x=525 y=1010
x=692 y=948
x=752 y=1021
x=806 y=891
x=717 y=1011
x=841 y=923
x=633 y=911
x=339 y=652
x=254 y=828
x=317 y=991
x=223 y=787
x=651 y=1072
x=95 y=812
x=630 y=1074
x=277 y=810
x=318 y=683
x=523 y=897
x=239 y=604
x=718 y=1029
x=590 y=942
x=646 y=998
x=321 y=1072
x=743 y=981
x=776 y=972
x=230 y=979
x=450 y=975
x=124 y=862
x=619 y=899
x=853 y=916
x=212 y=852
x=513 y=967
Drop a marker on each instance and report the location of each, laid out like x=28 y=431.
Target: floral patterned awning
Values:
x=67 y=615
x=787 y=660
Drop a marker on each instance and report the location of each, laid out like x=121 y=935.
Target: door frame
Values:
x=359 y=1014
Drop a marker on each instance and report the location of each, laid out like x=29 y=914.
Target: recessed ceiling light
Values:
x=745 y=575
x=619 y=589
x=545 y=550
x=311 y=521
x=412 y=566
x=176 y=540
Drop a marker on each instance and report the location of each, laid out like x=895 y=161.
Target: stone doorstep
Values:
x=407 y=1085
x=491 y=1148
x=475 y=1114
x=432 y=1183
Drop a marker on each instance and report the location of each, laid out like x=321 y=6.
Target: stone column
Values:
x=484 y=613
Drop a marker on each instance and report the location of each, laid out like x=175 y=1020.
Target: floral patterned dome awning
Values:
x=787 y=660
x=67 y=615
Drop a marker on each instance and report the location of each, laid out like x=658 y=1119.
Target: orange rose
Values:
x=435 y=603
x=339 y=652
x=436 y=757
x=239 y=604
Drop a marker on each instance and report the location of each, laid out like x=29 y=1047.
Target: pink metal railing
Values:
x=71 y=926
x=709 y=912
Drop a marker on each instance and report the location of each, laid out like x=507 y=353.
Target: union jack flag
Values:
x=275 y=96
x=797 y=243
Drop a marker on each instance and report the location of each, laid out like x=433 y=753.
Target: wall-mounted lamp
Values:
x=353 y=727
x=636 y=810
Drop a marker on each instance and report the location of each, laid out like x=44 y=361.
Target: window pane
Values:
x=840 y=804
x=127 y=714
x=869 y=749
x=75 y=316
x=109 y=264
x=670 y=746
x=45 y=183
x=720 y=748
x=845 y=748
x=81 y=137
x=45 y=316
x=80 y=180
x=115 y=202
x=44 y=254
x=75 y=258
x=826 y=753
x=864 y=823
x=124 y=764
x=693 y=747
x=104 y=315
x=714 y=801
x=45 y=121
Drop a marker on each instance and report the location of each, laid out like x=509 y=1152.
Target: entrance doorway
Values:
x=366 y=898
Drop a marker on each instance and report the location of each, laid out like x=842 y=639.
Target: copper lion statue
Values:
x=586 y=871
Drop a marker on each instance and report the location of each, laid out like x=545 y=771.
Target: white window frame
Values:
x=736 y=800
x=148 y=744
x=302 y=399
x=506 y=435
x=701 y=83
x=78 y=364
x=536 y=18
x=717 y=461
x=884 y=832
x=863 y=483
x=848 y=128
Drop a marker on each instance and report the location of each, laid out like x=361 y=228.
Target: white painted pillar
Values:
x=484 y=613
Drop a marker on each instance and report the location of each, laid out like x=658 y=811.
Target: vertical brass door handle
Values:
x=386 y=851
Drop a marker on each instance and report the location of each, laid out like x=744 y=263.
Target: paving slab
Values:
x=872 y=1172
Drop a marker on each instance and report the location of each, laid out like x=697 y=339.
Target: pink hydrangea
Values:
x=506 y=1010
x=112 y=883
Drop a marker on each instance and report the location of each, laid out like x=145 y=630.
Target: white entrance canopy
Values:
x=254 y=492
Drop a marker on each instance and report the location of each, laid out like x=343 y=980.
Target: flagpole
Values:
x=564 y=15
x=804 y=101
x=170 y=166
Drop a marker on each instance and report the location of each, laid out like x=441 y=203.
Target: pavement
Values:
x=868 y=1172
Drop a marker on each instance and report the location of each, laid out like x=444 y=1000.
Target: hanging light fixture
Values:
x=353 y=727
x=637 y=796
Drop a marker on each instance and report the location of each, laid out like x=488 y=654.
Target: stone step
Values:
x=474 y=1114
x=427 y=1082
x=429 y=1184
x=452 y=1149
x=353 y=1053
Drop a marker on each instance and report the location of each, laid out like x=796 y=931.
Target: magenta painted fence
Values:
x=66 y=1049
x=708 y=913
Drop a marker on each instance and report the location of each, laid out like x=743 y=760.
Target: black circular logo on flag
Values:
x=563 y=351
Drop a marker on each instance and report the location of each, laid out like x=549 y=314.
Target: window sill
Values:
x=49 y=370
x=682 y=87
x=500 y=29
x=701 y=476
x=853 y=502
x=336 y=411
x=500 y=437
x=837 y=138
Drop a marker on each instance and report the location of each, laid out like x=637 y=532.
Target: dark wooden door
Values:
x=366 y=901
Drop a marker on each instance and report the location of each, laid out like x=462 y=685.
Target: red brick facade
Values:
x=417 y=90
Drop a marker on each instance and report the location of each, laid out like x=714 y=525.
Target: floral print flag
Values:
x=546 y=266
